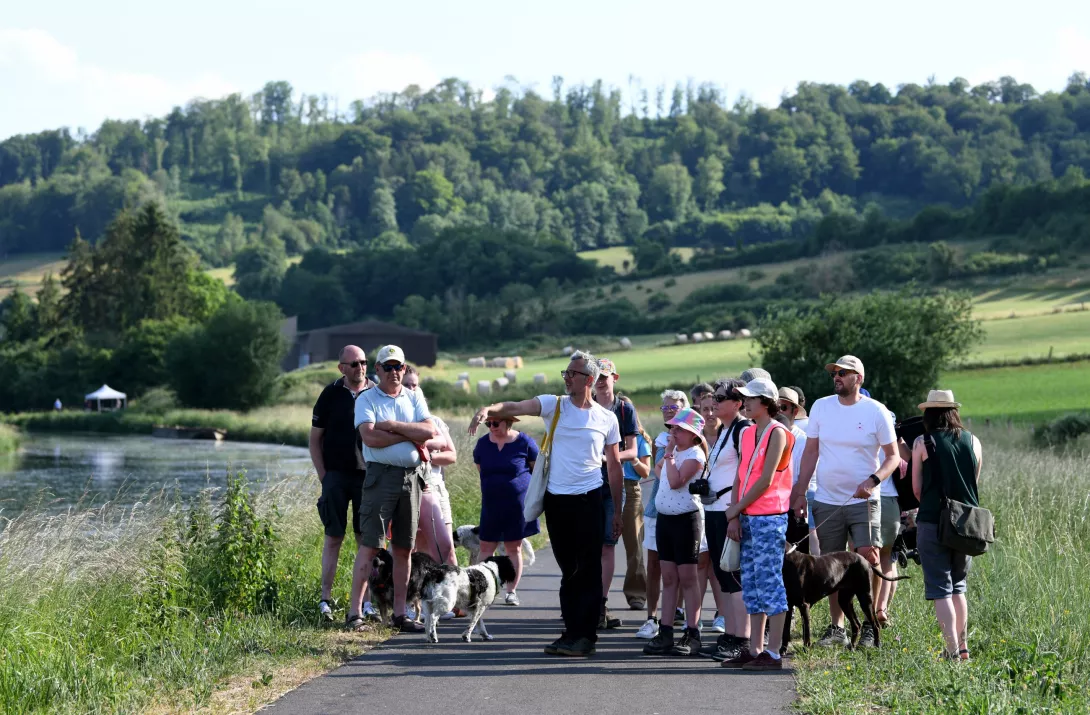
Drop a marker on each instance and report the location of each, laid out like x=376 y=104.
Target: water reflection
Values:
x=62 y=469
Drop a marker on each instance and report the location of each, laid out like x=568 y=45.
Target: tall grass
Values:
x=1029 y=608
x=9 y=439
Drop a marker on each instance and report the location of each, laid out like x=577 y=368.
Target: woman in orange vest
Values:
x=758 y=519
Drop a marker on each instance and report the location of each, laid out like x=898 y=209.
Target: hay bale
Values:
x=476 y=362
x=540 y=379
x=499 y=384
x=708 y=336
x=626 y=343
x=698 y=337
x=567 y=349
x=462 y=386
x=518 y=362
x=725 y=335
x=484 y=388
x=463 y=376
x=681 y=338
x=512 y=376
x=744 y=332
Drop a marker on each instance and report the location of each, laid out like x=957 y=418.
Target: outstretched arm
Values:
x=500 y=410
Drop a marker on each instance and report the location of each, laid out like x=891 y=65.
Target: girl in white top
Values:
x=679 y=529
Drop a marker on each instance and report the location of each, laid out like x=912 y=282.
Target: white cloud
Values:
x=364 y=75
x=44 y=70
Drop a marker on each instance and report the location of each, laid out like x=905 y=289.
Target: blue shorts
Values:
x=607 y=513
x=763 y=542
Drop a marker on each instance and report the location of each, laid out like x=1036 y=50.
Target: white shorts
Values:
x=649 y=542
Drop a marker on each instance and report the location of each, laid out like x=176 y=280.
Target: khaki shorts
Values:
x=891 y=521
x=444 y=502
x=835 y=523
x=391 y=495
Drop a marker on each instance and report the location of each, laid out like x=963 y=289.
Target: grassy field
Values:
x=26 y=271
x=1023 y=394
x=9 y=439
x=1029 y=606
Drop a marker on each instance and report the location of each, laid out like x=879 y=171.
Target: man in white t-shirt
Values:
x=847 y=436
x=586 y=433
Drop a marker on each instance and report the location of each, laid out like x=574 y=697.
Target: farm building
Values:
x=322 y=344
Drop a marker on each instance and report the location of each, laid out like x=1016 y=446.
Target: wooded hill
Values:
x=284 y=170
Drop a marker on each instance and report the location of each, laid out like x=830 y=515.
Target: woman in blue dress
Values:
x=505 y=458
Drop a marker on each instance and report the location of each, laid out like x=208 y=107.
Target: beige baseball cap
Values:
x=390 y=353
x=848 y=362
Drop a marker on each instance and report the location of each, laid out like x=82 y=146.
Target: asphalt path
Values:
x=512 y=674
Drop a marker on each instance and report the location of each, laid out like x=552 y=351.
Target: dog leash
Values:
x=831 y=515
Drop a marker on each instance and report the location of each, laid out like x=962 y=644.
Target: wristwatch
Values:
x=876 y=479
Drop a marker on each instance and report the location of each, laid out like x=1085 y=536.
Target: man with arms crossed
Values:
x=573 y=500
x=335 y=452
x=854 y=438
x=394 y=423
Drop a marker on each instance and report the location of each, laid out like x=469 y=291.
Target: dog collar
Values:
x=496 y=578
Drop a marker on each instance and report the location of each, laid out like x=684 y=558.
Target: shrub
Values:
x=1062 y=430
x=658 y=302
x=670 y=283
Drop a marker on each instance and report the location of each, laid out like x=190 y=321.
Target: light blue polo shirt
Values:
x=374 y=406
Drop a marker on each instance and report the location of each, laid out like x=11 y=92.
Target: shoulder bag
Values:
x=963 y=527
x=539 y=479
x=731 y=558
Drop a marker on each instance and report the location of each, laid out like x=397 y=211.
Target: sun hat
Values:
x=753 y=373
x=690 y=419
x=789 y=395
x=940 y=398
x=606 y=367
x=761 y=387
x=848 y=362
x=502 y=419
x=388 y=353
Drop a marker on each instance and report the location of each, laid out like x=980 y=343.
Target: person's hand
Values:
x=618 y=525
x=321 y=476
x=865 y=489
x=478 y=418
x=799 y=506
x=734 y=530
x=671 y=444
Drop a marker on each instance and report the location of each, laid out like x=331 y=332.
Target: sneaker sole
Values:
x=575 y=653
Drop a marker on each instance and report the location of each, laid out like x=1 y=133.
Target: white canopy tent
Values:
x=108 y=394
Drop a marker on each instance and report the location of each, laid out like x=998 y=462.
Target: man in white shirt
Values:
x=393 y=423
x=585 y=433
x=850 y=433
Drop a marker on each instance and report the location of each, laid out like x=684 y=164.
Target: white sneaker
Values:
x=324 y=610
x=648 y=630
x=511 y=599
x=410 y=613
x=719 y=625
x=370 y=613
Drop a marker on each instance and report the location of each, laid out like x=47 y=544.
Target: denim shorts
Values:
x=607 y=513
x=763 y=541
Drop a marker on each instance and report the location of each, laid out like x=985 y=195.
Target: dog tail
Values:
x=504 y=568
x=528 y=555
x=887 y=578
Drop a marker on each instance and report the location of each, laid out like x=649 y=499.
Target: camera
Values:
x=700 y=487
x=909 y=429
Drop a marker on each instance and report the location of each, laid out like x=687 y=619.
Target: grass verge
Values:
x=1029 y=606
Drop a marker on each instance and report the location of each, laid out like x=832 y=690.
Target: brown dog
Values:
x=809 y=579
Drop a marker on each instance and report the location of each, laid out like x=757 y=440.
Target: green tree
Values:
x=709 y=182
x=905 y=340
x=259 y=270
x=383 y=214
x=18 y=318
x=669 y=193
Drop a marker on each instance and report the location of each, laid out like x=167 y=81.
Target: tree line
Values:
x=578 y=166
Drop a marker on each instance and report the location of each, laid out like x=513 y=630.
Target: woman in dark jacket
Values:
x=958 y=454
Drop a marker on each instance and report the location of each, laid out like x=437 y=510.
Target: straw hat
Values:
x=940 y=398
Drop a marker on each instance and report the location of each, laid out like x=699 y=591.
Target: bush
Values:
x=232 y=361
x=658 y=301
x=1062 y=430
x=904 y=340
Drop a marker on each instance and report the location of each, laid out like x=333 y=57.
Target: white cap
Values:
x=390 y=353
x=761 y=387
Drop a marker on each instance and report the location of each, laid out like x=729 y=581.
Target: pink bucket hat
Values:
x=690 y=419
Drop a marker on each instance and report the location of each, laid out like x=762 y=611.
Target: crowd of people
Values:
x=740 y=460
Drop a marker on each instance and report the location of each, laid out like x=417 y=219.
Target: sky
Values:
x=73 y=64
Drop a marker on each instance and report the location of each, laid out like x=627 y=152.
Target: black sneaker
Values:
x=607 y=622
x=723 y=642
x=734 y=650
x=866 y=637
x=834 y=635
x=579 y=648
x=554 y=647
x=689 y=644
x=661 y=644
x=679 y=617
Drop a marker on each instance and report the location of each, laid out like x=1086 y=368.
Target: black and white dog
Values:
x=469 y=537
x=381 y=582
x=472 y=589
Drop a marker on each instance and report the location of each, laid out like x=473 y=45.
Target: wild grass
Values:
x=9 y=439
x=1029 y=608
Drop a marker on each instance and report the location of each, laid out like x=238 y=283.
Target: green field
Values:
x=26 y=271
x=616 y=256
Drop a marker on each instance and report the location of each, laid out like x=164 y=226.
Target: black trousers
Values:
x=577 y=532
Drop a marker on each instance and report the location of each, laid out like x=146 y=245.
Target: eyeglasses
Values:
x=570 y=374
x=844 y=373
x=670 y=408
x=603 y=379
x=395 y=367
x=356 y=363
x=493 y=423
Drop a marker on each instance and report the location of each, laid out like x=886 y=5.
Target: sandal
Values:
x=355 y=623
x=401 y=624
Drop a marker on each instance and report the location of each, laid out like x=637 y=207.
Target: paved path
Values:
x=512 y=674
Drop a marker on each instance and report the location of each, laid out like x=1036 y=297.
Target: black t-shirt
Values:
x=335 y=412
x=626 y=420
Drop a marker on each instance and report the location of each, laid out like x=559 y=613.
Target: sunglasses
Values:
x=493 y=423
x=395 y=367
x=728 y=396
x=570 y=374
x=844 y=373
x=356 y=363
x=785 y=406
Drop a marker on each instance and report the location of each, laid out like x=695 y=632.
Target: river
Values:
x=57 y=471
